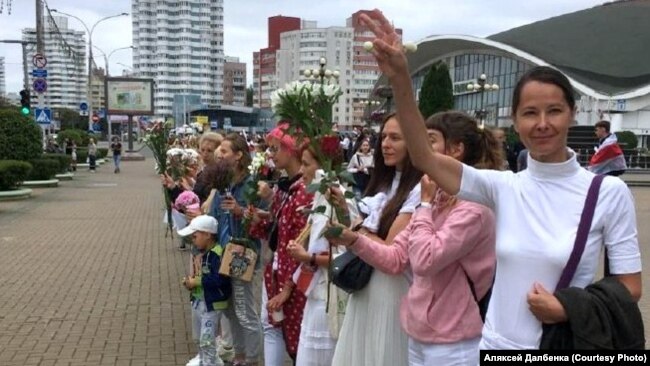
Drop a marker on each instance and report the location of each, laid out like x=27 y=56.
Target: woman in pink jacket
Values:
x=447 y=244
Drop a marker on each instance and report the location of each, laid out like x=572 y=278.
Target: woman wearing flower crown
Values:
x=320 y=322
x=282 y=304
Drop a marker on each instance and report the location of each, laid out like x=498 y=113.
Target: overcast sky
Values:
x=246 y=22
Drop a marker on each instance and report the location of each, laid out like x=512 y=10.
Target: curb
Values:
x=64 y=176
x=16 y=194
x=41 y=183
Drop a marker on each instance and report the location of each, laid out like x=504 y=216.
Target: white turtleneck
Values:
x=537 y=215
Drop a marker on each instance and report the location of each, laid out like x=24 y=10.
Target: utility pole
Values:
x=40 y=45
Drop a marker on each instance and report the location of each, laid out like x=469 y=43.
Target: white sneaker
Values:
x=196 y=361
x=226 y=352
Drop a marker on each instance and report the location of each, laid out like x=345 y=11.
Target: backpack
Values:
x=482 y=303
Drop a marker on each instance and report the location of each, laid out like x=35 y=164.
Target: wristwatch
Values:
x=423 y=204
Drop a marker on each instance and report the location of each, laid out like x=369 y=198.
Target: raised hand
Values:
x=387 y=46
x=428 y=189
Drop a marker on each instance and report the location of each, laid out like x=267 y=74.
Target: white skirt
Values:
x=371 y=334
x=316 y=346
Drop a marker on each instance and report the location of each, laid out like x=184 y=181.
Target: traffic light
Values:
x=25 y=106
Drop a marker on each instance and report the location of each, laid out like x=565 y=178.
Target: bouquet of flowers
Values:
x=179 y=162
x=156 y=140
x=307 y=108
x=187 y=200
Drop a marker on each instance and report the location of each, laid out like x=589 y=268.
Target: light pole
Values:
x=482 y=85
x=321 y=74
x=369 y=106
x=90 y=56
x=107 y=59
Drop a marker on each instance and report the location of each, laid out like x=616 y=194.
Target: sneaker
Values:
x=196 y=361
x=226 y=352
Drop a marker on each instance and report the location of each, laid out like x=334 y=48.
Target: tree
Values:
x=70 y=119
x=436 y=94
x=249 y=96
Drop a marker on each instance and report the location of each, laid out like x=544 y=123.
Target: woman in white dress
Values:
x=371 y=333
x=319 y=329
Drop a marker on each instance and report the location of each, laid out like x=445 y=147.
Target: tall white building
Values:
x=65 y=50
x=180 y=45
x=3 y=88
x=302 y=49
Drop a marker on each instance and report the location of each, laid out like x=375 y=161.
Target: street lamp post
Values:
x=321 y=74
x=106 y=75
x=481 y=85
x=90 y=56
x=369 y=107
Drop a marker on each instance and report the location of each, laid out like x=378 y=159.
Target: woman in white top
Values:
x=319 y=329
x=537 y=210
x=371 y=334
x=360 y=166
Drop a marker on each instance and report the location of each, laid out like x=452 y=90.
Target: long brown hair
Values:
x=382 y=179
x=239 y=144
x=482 y=150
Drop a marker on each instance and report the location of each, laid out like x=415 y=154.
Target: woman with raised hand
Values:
x=449 y=247
x=371 y=333
x=537 y=210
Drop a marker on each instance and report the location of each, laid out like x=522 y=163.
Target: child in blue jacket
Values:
x=210 y=290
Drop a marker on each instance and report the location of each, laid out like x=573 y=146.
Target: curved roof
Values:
x=606 y=47
x=605 y=51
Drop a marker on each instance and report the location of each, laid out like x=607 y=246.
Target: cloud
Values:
x=245 y=22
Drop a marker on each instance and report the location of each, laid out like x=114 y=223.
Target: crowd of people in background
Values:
x=447 y=214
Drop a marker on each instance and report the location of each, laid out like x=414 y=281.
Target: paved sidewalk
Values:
x=88 y=278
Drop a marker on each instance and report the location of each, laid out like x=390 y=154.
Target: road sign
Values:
x=202 y=120
x=40 y=85
x=214 y=125
x=39 y=73
x=43 y=116
x=83 y=113
x=39 y=61
x=83 y=106
x=95 y=118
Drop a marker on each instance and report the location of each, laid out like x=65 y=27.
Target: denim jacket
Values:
x=230 y=225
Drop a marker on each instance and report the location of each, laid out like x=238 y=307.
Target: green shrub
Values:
x=79 y=137
x=43 y=169
x=102 y=152
x=20 y=136
x=13 y=173
x=627 y=139
x=82 y=155
x=63 y=160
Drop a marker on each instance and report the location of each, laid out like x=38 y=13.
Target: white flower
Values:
x=174 y=151
x=275 y=98
x=331 y=90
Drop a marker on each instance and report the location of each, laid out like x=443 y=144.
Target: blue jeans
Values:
x=116 y=160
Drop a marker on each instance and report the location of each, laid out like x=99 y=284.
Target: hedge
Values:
x=13 y=173
x=80 y=137
x=20 y=136
x=102 y=152
x=63 y=160
x=43 y=169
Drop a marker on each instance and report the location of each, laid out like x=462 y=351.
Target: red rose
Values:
x=330 y=146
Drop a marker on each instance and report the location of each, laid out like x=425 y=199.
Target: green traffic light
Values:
x=24 y=110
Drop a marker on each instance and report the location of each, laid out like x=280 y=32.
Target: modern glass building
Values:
x=602 y=50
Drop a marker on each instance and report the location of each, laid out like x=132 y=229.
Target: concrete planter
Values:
x=64 y=176
x=16 y=194
x=51 y=183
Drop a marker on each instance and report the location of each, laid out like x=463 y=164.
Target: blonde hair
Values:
x=214 y=137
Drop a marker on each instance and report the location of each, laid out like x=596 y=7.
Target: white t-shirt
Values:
x=537 y=213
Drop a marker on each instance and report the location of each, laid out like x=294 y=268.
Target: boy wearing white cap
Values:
x=210 y=290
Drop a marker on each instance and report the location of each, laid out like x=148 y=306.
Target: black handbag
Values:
x=349 y=272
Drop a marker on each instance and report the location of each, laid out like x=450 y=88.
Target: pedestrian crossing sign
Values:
x=43 y=116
